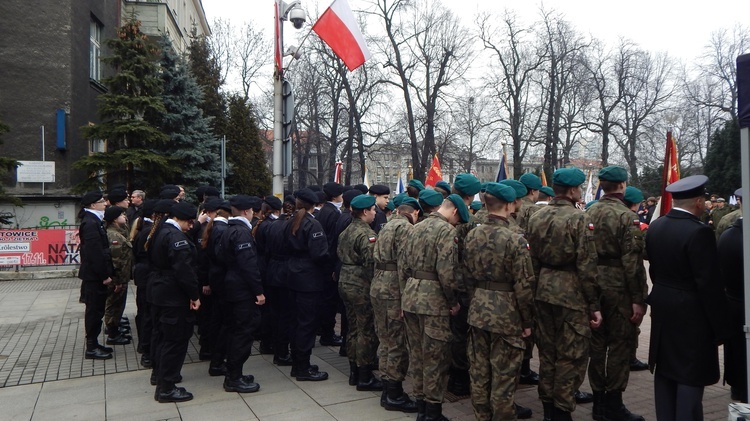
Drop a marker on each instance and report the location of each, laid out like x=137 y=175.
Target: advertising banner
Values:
x=39 y=247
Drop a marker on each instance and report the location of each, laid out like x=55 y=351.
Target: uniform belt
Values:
x=421 y=274
x=613 y=263
x=571 y=267
x=495 y=286
x=386 y=266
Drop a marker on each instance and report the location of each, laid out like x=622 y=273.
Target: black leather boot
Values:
x=353 y=374
x=434 y=412
x=549 y=409
x=616 y=410
x=397 y=400
x=522 y=412
x=458 y=384
x=421 y=406
x=597 y=412
x=560 y=415
x=366 y=381
x=94 y=352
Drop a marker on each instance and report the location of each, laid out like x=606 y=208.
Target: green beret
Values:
x=518 y=186
x=633 y=195
x=548 y=191
x=458 y=202
x=531 y=181
x=568 y=177
x=589 y=204
x=502 y=191
x=399 y=198
x=484 y=186
x=613 y=173
x=443 y=185
x=363 y=201
x=467 y=184
x=476 y=205
x=431 y=197
x=390 y=205
x=416 y=183
x=410 y=201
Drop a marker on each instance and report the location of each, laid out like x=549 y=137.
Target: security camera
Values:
x=297 y=16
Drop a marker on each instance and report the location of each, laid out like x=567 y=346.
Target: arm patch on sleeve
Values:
x=243 y=246
x=317 y=234
x=180 y=244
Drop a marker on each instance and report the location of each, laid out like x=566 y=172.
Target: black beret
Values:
x=321 y=197
x=200 y=192
x=289 y=199
x=379 y=189
x=244 y=202
x=91 y=197
x=346 y=189
x=333 y=189
x=117 y=196
x=112 y=213
x=212 y=205
x=170 y=191
x=211 y=191
x=184 y=211
x=148 y=207
x=118 y=186
x=349 y=195
x=163 y=205
x=274 y=202
x=362 y=188
x=316 y=188
x=306 y=195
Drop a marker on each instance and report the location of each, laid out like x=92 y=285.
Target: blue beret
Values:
x=184 y=211
x=410 y=201
x=517 y=186
x=416 y=183
x=633 y=195
x=613 y=173
x=531 y=181
x=363 y=201
x=431 y=197
x=306 y=195
x=568 y=177
x=501 y=191
x=458 y=202
x=244 y=202
x=467 y=184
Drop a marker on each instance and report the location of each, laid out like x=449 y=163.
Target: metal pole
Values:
x=223 y=163
x=278 y=128
x=42 y=156
x=745 y=163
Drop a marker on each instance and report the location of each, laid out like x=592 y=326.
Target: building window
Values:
x=97 y=146
x=95 y=50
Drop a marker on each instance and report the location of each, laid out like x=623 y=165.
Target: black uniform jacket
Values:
x=308 y=261
x=217 y=270
x=141 y=267
x=171 y=256
x=277 y=254
x=688 y=306
x=242 y=280
x=96 y=260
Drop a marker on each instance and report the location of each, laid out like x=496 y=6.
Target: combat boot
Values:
x=434 y=412
x=549 y=409
x=94 y=352
x=353 y=374
x=458 y=384
x=396 y=399
x=421 y=406
x=366 y=381
x=597 y=412
x=616 y=410
x=561 y=415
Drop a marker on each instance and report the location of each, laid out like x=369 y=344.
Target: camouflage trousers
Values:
x=612 y=343
x=429 y=340
x=394 y=356
x=494 y=368
x=115 y=306
x=563 y=337
x=361 y=340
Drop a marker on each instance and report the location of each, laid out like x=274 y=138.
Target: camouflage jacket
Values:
x=479 y=218
x=122 y=255
x=431 y=248
x=717 y=214
x=522 y=216
x=496 y=254
x=385 y=283
x=563 y=253
x=355 y=247
x=619 y=245
x=727 y=222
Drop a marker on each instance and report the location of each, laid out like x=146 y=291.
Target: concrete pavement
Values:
x=43 y=375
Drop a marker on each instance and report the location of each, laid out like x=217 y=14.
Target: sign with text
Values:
x=34 y=247
x=36 y=172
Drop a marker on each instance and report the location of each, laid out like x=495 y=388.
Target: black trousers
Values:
x=243 y=319
x=460 y=330
x=677 y=402
x=95 y=296
x=204 y=322
x=305 y=309
x=278 y=303
x=330 y=306
x=218 y=329
x=143 y=320
x=175 y=326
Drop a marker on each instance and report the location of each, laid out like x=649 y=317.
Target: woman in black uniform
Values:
x=141 y=270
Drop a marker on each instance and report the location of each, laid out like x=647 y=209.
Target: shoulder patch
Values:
x=591 y=227
x=181 y=244
x=244 y=246
x=372 y=239
x=455 y=240
x=637 y=223
x=528 y=247
x=115 y=243
x=317 y=234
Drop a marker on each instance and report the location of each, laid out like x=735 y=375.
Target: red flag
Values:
x=277 y=40
x=338 y=28
x=337 y=172
x=544 y=178
x=434 y=175
x=670 y=175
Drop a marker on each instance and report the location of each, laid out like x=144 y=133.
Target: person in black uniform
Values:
x=328 y=215
x=174 y=294
x=308 y=248
x=381 y=194
x=688 y=306
x=270 y=211
x=731 y=262
x=210 y=208
x=243 y=292
x=141 y=270
x=95 y=271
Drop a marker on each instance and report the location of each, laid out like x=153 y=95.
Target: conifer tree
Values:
x=249 y=171
x=723 y=160
x=206 y=70
x=130 y=111
x=191 y=141
x=6 y=165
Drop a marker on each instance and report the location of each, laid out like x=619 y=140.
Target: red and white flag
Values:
x=338 y=28
x=337 y=172
x=278 y=55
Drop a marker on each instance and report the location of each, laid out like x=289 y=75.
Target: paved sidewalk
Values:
x=43 y=375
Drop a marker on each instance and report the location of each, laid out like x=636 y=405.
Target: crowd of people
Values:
x=431 y=284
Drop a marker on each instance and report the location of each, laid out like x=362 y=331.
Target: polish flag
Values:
x=277 y=40
x=338 y=28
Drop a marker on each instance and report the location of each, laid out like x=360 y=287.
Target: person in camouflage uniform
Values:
x=718 y=213
x=501 y=308
x=728 y=220
x=529 y=206
x=427 y=267
x=619 y=247
x=564 y=256
x=122 y=259
x=355 y=248
x=385 y=295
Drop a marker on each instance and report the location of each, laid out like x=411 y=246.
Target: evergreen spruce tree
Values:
x=191 y=141
x=207 y=72
x=723 y=160
x=6 y=165
x=249 y=172
x=130 y=112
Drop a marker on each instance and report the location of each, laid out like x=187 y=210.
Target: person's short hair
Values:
x=139 y=193
x=608 y=186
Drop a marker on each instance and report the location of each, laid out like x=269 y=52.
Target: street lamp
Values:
x=293 y=12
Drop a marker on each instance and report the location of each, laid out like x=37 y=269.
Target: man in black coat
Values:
x=96 y=271
x=327 y=216
x=688 y=306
